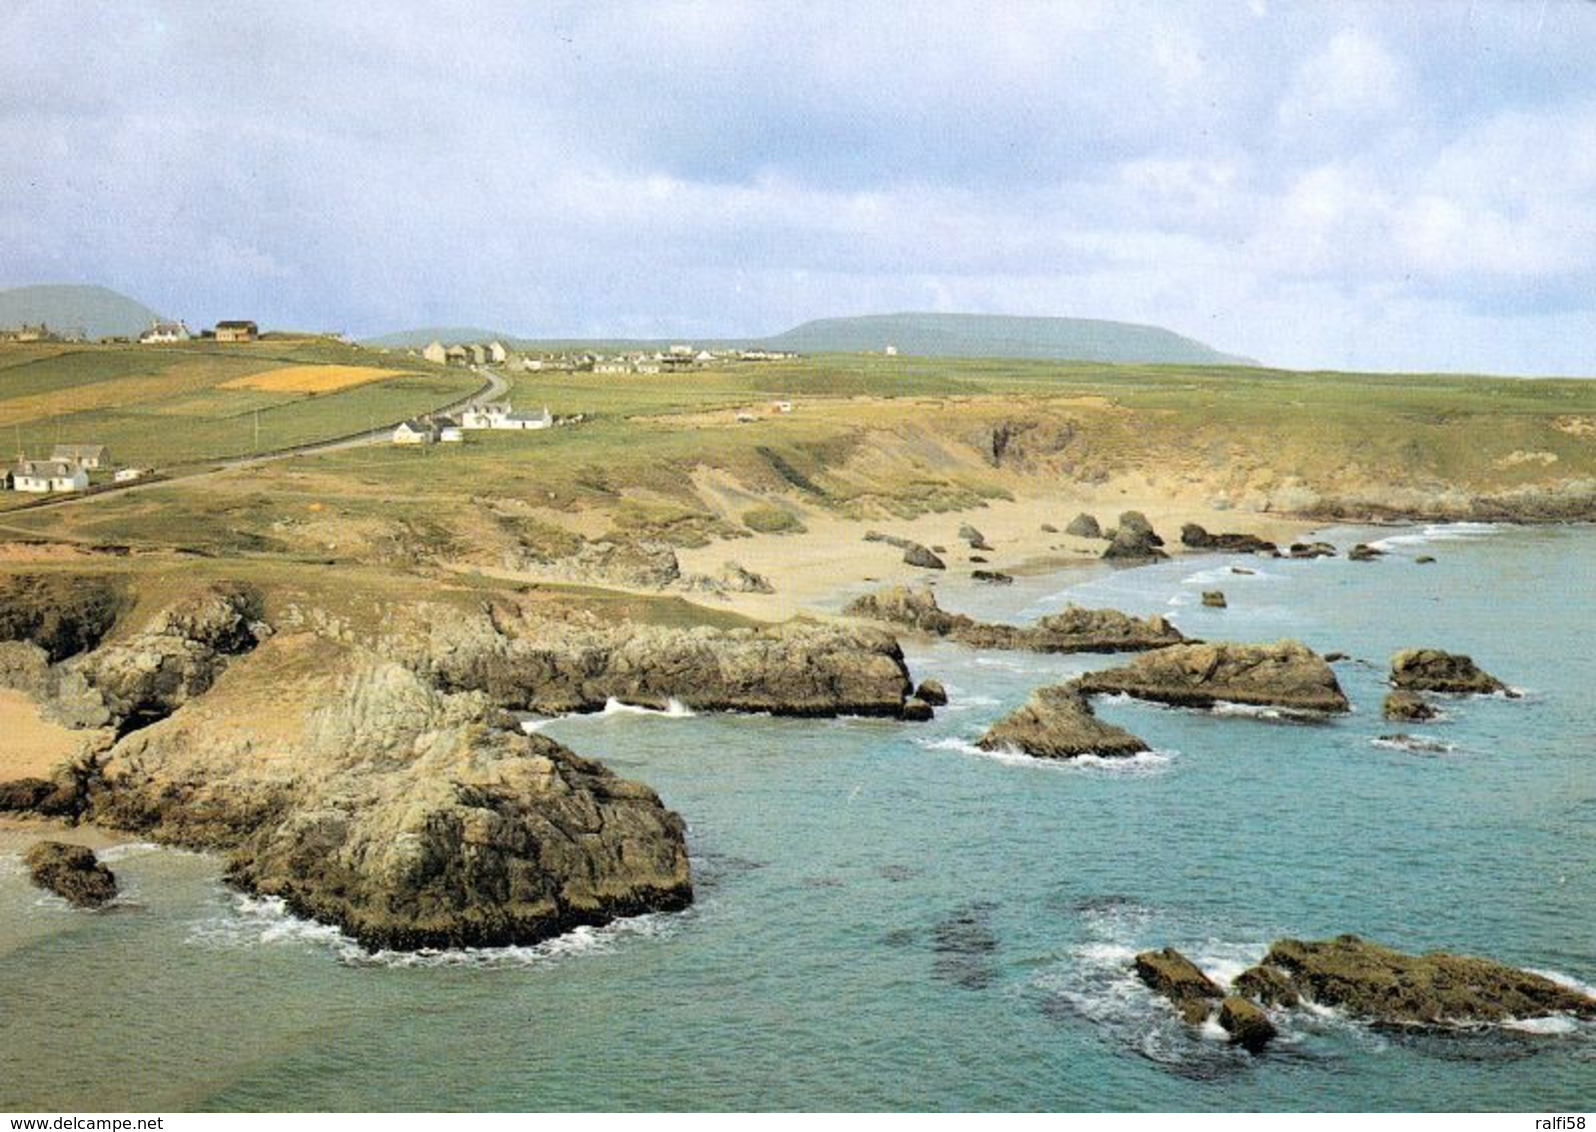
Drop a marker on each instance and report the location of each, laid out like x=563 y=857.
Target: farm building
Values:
x=457 y=356
x=416 y=431
x=497 y=354
x=499 y=415
x=41 y=476
x=449 y=430
x=90 y=456
x=434 y=352
x=128 y=475
x=237 y=330
x=161 y=333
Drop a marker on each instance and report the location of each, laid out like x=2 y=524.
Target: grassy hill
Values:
x=923 y=335
x=999 y=336
x=169 y=406
x=96 y=311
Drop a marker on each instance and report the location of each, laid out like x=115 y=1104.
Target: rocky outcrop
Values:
x=1407 y=706
x=1431 y=670
x=1071 y=630
x=72 y=872
x=576 y=662
x=1363 y=552
x=733 y=578
x=974 y=537
x=1215 y=599
x=640 y=564
x=916 y=710
x=1286 y=674
x=174 y=658
x=1382 y=985
x=1084 y=526
x=64 y=614
x=1135 y=539
x=1246 y=1023
x=410 y=818
x=1193 y=536
x=932 y=692
x=1058 y=723
x=1311 y=550
x=1178 y=979
x=992 y=577
x=923 y=557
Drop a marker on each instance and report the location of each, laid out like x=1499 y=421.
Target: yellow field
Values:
x=310 y=379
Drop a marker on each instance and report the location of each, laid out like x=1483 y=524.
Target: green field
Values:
x=164 y=407
x=868 y=437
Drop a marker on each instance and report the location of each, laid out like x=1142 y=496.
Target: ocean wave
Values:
x=673 y=709
x=1414 y=744
x=1267 y=713
x=1227 y=574
x=138 y=849
x=1438 y=532
x=265 y=921
x=1143 y=762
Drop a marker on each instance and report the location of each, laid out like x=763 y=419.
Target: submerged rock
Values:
x=992 y=577
x=1382 y=985
x=1363 y=552
x=1248 y=1026
x=1286 y=674
x=1058 y=723
x=71 y=872
x=1181 y=981
x=1406 y=706
x=1424 y=559
x=1418 y=744
x=916 y=555
x=1084 y=526
x=1431 y=670
x=916 y=710
x=1311 y=550
x=1214 y=599
x=1072 y=629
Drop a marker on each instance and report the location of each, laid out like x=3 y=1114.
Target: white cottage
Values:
x=435 y=353
x=91 y=456
x=499 y=415
x=417 y=431
x=43 y=476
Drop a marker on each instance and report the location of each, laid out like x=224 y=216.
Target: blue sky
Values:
x=1338 y=184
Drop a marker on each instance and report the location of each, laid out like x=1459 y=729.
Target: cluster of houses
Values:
x=677 y=357
x=497 y=415
x=67 y=469
x=39 y=332
x=228 y=330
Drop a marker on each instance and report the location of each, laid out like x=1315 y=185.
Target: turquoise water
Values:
x=888 y=919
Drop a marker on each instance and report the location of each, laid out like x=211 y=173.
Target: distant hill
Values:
x=98 y=312
x=448 y=335
x=999 y=336
x=929 y=335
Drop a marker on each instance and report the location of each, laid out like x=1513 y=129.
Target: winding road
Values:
x=494 y=388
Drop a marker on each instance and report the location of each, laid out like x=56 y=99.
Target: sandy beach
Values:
x=808 y=569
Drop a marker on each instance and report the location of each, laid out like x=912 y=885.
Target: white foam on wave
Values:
x=1551 y=1024
x=674 y=709
x=1563 y=980
x=1143 y=762
x=1227 y=574
x=1438 y=532
x=1415 y=745
x=265 y=921
x=137 y=849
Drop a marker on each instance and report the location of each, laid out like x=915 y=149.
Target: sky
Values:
x=1317 y=185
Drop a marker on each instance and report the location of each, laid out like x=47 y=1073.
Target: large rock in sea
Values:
x=71 y=872
x=1181 y=981
x=1431 y=670
x=1246 y=1023
x=1408 y=706
x=1058 y=723
x=1072 y=629
x=1286 y=674
x=409 y=817
x=1382 y=985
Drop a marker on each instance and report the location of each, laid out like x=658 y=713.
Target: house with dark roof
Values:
x=42 y=476
x=237 y=330
x=92 y=457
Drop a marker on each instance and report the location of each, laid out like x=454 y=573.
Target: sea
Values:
x=889 y=918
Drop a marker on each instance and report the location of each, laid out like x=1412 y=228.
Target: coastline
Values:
x=809 y=570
